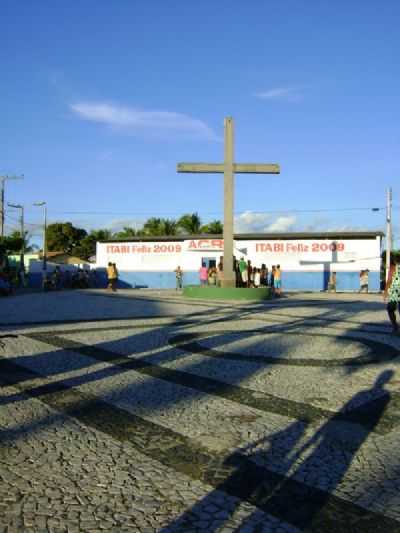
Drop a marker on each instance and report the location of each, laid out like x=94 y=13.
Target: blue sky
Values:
x=100 y=100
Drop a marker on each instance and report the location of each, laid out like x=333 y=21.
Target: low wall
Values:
x=310 y=281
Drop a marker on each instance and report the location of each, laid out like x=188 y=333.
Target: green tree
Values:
x=153 y=226
x=169 y=226
x=12 y=244
x=87 y=246
x=214 y=227
x=64 y=237
x=125 y=233
x=190 y=223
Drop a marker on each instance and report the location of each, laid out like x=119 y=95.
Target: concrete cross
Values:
x=229 y=168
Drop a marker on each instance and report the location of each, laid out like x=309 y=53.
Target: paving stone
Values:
x=236 y=408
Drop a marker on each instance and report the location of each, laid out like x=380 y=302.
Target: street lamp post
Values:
x=44 y=205
x=22 y=231
x=388 y=231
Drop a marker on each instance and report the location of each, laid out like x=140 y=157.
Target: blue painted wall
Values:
x=317 y=281
x=313 y=281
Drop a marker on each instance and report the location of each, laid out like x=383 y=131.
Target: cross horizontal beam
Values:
x=207 y=168
x=238 y=168
x=256 y=168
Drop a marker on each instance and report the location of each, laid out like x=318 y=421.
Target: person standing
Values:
x=249 y=273
x=203 y=274
x=257 y=277
x=332 y=282
x=179 y=277
x=220 y=271
x=271 y=280
x=57 y=278
x=238 y=275
x=112 y=276
x=243 y=272
x=212 y=276
x=278 y=280
x=364 y=281
x=392 y=293
x=252 y=276
x=116 y=276
x=263 y=275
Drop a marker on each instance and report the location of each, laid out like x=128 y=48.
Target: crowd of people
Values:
x=250 y=276
x=246 y=275
x=56 y=279
x=65 y=279
x=10 y=279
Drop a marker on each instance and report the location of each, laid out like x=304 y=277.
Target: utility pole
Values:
x=2 y=182
x=44 y=205
x=22 y=230
x=388 y=230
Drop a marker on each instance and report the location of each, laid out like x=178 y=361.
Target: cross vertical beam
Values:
x=229 y=168
x=228 y=278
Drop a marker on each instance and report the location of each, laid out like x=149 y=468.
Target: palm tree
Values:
x=125 y=233
x=190 y=223
x=13 y=242
x=153 y=226
x=101 y=234
x=169 y=226
x=215 y=227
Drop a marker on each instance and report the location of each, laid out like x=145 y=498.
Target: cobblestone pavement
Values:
x=142 y=411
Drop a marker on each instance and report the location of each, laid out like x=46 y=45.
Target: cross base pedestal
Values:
x=209 y=292
x=228 y=283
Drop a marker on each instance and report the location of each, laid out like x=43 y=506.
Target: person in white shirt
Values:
x=364 y=281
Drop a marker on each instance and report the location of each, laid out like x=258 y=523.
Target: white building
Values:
x=306 y=259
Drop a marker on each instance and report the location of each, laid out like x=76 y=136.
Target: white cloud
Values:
x=288 y=94
x=250 y=222
x=282 y=224
x=159 y=123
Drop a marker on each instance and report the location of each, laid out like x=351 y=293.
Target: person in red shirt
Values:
x=203 y=274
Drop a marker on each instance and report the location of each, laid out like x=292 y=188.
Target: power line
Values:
x=16 y=221
x=175 y=212
x=6 y=215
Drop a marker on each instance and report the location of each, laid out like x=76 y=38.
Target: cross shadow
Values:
x=243 y=480
x=130 y=347
x=304 y=497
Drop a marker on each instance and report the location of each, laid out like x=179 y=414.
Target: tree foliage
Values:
x=12 y=244
x=126 y=233
x=64 y=237
x=169 y=226
x=67 y=238
x=152 y=226
x=215 y=227
x=190 y=223
x=160 y=226
x=87 y=246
